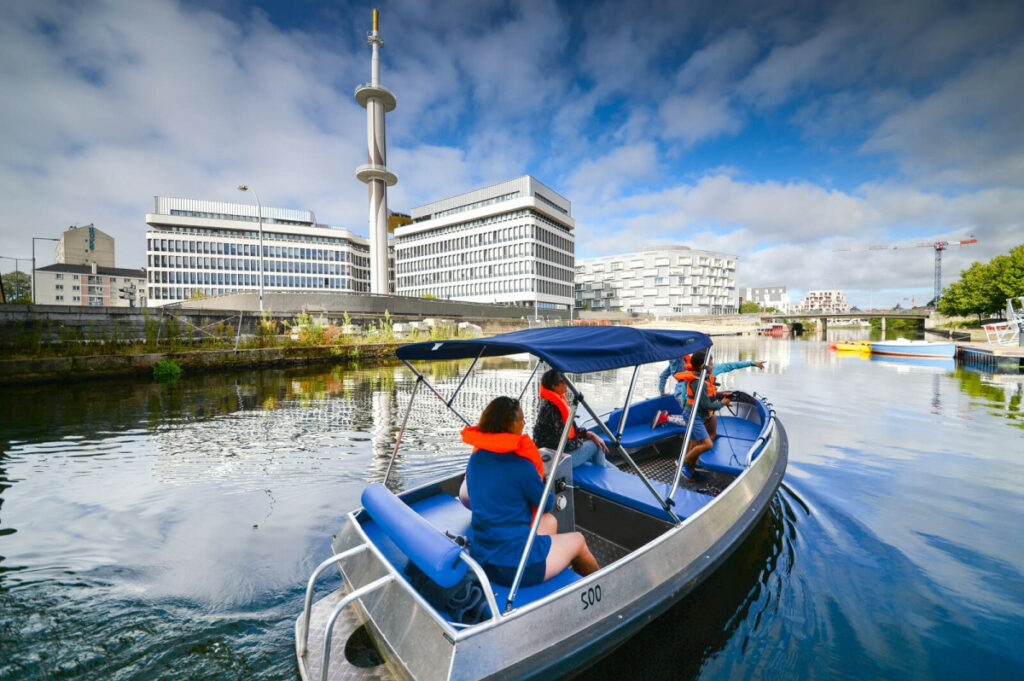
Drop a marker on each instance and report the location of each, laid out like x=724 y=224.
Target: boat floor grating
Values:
x=606 y=552
x=663 y=469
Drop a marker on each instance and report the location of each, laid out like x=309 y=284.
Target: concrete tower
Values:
x=377 y=100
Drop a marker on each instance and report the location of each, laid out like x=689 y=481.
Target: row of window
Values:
x=280 y=282
x=517 y=251
x=359 y=268
x=229 y=248
x=228 y=216
x=250 y=280
x=336 y=241
x=489 y=220
x=471 y=206
x=522 y=284
x=484 y=272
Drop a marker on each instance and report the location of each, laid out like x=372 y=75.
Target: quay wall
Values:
x=42 y=369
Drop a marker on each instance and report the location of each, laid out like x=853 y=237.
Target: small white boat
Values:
x=913 y=348
x=658 y=536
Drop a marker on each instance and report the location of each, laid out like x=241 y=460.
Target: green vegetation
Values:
x=166 y=371
x=748 y=307
x=983 y=288
x=18 y=287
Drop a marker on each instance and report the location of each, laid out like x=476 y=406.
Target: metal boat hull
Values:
x=572 y=627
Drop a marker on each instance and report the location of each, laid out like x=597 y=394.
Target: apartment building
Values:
x=665 y=280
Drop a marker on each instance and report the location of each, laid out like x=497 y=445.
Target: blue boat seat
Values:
x=441 y=513
x=638 y=432
x=630 y=491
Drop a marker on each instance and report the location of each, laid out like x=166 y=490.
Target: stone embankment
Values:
x=30 y=370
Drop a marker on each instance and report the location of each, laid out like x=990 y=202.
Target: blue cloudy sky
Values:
x=778 y=131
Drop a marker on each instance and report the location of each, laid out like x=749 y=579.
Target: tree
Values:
x=984 y=287
x=747 y=307
x=18 y=287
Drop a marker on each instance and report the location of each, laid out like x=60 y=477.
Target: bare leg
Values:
x=548 y=525
x=696 y=449
x=566 y=548
x=464 y=493
x=712 y=425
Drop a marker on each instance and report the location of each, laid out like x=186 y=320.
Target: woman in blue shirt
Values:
x=505 y=481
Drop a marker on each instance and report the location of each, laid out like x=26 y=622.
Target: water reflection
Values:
x=152 y=531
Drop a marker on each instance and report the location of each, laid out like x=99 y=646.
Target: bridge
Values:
x=823 y=317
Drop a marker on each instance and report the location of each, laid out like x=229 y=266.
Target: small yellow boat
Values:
x=851 y=346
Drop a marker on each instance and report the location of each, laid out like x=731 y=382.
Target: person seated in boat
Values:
x=680 y=369
x=700 y=439
x=505 y=480
x=583 y=445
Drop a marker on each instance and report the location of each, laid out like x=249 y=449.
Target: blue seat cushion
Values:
x=432 y=552
x=638 y=432
x=732 y=426
x=630 y=491
x=529 y=594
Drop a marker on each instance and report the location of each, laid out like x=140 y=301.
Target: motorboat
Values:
x=656 y=536
x=913 y=348
x=850 y=346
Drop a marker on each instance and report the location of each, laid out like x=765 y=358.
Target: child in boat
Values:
x=505 y=480
x=681 y=367
x=583 y=445
x=700 y=439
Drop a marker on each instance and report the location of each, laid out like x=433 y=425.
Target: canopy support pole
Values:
x=464 y=377
x=689 y=424
x=533 y=373
x=398 y=442
x=549 y=483
x=625 y=407
x=667 y=505
x=434 y=390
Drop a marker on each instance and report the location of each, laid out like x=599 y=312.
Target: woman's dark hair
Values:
x=697 y=360
x=500 y=415
x=550 y=379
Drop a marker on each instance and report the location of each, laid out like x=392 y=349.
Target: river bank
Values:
x=85 y=367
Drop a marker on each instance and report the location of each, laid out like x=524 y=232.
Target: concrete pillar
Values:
x=883 y=328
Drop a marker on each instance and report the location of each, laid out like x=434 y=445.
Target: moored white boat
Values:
x=655 y=536
x=913 y=348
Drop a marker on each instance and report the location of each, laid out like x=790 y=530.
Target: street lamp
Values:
x=259 y=218
x=34 y=240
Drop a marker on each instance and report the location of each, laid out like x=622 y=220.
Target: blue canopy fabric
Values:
x=575 y=349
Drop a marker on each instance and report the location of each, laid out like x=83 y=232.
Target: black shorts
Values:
x=502 y=574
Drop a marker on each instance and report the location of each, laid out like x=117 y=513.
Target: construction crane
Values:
x=939 y=247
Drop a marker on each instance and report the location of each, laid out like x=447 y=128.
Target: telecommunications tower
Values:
x=377 y=100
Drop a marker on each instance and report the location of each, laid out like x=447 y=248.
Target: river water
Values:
x=166 y=532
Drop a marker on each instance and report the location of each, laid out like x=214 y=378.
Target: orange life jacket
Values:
x=689 y=377
x=501 y=443
x=563 y=407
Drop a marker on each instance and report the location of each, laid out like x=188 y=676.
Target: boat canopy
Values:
x=575 y=349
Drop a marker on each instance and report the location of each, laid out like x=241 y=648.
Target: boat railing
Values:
x=325 y=661
x=766 y=433
x=307 y=607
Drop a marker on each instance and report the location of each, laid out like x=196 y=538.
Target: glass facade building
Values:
x=512 y=242
x=198 y=248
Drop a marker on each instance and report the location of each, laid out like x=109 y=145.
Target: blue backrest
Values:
x=429 y=549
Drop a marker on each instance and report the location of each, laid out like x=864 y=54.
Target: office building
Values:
x=198 y=248
x=823 y=301
x=511 y=243
x=667 y=280
x=766 y=297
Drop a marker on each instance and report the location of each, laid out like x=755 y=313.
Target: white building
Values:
x=84 y=273
x=823 y=301
x=62 y=284
x=203 y=248
x=660 y=280
x=766 y=297
x=511 y=242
